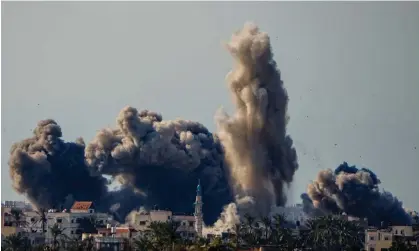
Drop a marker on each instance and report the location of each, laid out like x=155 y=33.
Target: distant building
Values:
x=16 y=204
x=382 y=239
x=294 y=213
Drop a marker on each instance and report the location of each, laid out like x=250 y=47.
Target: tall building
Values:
x=198 y=210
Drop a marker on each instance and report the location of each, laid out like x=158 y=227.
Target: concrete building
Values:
x=189 y=225
x=111 y=238
x=23 y=205
x=382 y=239
x=68 y=221
x=186 y=229
x=293 y=213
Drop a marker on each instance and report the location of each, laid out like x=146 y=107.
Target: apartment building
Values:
x=142 y=220
x=382 y=239
x=69 y=221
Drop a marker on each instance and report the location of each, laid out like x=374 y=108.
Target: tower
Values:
x=198 y=210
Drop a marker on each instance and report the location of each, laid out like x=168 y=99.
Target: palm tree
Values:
x=250 y=232
x=159 y=236
x=267 y=228
x=42 y=214
x=18 y=217
x=333 y=233
x=281 y=236
x=15 y=242
x=56 y=232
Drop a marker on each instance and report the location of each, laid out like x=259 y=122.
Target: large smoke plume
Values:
x=260 y=156
x=355 y=192
x=49 y=171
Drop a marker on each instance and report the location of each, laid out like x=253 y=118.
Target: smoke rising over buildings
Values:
x=243 y=168
x=355 y=192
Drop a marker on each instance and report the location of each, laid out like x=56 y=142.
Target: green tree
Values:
x=42 y=218
x=333 y=233
x=281 y=236
x=18 y=217
x=56 y=232
x=15 y=242
x=160 y=236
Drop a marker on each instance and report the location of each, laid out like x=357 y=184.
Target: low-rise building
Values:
x=143 y=219
x=71 y=222
x=382 y=239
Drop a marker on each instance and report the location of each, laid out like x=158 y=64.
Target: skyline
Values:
x=318 y=75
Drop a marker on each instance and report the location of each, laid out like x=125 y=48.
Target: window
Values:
x=396 y=232
x=371 y=238
x=402 y=232
x=191 y=223
x=32 y=219
x=372 y=249
x=59 y=220
x=386 y=239
x=72 y=232
x=142 y=223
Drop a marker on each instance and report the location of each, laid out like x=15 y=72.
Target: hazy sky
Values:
x=351 y=70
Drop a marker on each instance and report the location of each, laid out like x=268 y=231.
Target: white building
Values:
x=142 y=220
x=294 y=213
x=69 y=222
x=16 y=204
x=190 y=226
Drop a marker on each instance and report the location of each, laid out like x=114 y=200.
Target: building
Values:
x=111 y=238
x=16 y=204
x=190 y=226
x=293 y=213
x=71 y=222
x=382 y=239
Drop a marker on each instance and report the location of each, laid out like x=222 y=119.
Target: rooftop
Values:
x=82 y=205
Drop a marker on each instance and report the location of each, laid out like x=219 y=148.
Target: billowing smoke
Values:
x=50 y=172
x=162 y=161
x=260 y=156
x=355 y=192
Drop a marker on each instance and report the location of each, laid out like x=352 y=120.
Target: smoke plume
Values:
x=162 y=161
x=260 y=156
x=49 y=171
x=355 y=192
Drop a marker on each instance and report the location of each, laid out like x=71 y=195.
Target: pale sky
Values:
x=351 y=71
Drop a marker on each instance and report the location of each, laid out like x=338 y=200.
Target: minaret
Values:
x=198 y=210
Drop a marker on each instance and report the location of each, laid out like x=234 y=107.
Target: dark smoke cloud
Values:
x=355 y=192
x=157 y=162
x=50 y=171
x=162 y=160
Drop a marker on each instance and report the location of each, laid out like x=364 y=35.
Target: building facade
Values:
x=71 y=222
x=382 y=239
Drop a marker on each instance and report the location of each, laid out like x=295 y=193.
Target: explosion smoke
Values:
x=162 y=160
x=49 y=171
x=355 y=192
x=259 y=154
